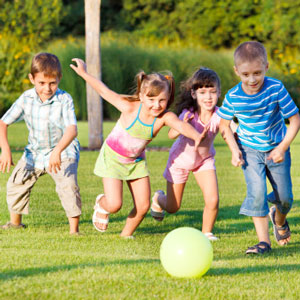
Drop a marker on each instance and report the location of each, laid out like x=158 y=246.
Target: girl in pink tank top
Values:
x=197 y=107
x=122 y=156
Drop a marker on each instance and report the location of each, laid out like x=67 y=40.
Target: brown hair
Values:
x=202 y=78
x=249 y=52
x=46 y=63
x=153 y=84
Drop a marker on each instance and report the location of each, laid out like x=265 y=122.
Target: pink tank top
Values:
x=131 y=142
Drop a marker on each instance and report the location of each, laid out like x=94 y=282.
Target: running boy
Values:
x=261 y=104
x=52 y=145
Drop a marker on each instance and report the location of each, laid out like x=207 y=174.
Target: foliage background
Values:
x=146 y=34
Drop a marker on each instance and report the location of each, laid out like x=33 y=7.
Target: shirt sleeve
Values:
x=287 y=106
x=68 y=111
x=15 y=112
x=226 y=111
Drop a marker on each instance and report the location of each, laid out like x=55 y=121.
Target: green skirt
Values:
x=109 y=165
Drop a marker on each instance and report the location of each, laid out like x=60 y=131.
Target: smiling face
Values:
x=155 y=105
x=207 y=97
x=252 y=75
x=45 y=86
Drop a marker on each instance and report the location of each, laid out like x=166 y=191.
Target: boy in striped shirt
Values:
x=261 y=104
x=52 y=145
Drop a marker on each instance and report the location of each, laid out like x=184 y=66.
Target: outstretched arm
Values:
x=65 y=141
x=184 y=128
x=5 y=157
x=277 y=154
x=173 y=134
x=110 y=96
x=227 y=134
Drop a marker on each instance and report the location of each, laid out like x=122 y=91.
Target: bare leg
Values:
x=262 y=228
x=15 y=219
x=207 y=181
x=170 y=202
x=112 y=201
x=74 y=224
x=140 y=191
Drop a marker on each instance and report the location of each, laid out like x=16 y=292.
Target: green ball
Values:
x=186 y=252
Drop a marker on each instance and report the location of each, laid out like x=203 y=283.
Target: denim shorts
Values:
x=256 y=170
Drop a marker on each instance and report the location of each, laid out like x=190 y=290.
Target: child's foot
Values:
x=282 y=233
x=156 y=211
x=211 y=236
x=100 y=216
x=260 y=248
x=10 y=225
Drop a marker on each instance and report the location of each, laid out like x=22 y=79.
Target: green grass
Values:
x=44 y=262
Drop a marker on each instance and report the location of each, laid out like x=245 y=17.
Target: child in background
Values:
x=197 y=106
x=52 y=145
x=261 y=104
x=122 y=156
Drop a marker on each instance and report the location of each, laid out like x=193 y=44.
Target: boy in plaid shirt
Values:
x=52 y=145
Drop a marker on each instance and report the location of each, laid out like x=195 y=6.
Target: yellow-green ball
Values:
x=186 y=252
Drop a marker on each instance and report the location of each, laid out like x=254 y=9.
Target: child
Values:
x=261 y=104
x=122 y=156
x=197 y=106
x=52 y=145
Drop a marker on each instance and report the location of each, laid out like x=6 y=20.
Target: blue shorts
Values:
x=256 y=170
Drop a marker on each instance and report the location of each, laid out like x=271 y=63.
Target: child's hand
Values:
x=237 y=159
x=80 y=67
x=188 y=116
x=201 y=137
x=277 y=155
x=5 y=162
x=54 y=161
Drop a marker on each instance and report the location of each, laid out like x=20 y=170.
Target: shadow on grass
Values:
x=252 y=270
x=23 y=273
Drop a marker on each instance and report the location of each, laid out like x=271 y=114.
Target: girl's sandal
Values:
x=156 y=211
x=98 y=209
x=211 y=236
x=260 y=248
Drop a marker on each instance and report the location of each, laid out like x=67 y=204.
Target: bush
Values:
x=121 y=62
x=24 y=26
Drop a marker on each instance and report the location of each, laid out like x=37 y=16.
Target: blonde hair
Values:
x=153 y=84
x=249 y=52
x=46 y=63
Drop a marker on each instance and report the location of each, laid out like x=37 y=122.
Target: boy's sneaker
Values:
x=9 y=225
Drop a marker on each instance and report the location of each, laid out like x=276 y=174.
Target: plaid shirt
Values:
x=46 y=122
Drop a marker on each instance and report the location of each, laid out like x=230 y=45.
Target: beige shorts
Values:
x=24 y=177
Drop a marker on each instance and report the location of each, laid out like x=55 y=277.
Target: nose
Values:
x=156 y=104
x=251 y=79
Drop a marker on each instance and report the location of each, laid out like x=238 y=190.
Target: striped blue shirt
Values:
x=46 y=122
x=261 y=116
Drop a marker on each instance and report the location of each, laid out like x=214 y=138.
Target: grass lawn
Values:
x=44 y=262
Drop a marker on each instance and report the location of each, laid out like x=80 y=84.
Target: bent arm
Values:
x=184 y=128
x=228 y=136
x=277 y=154
x=5 y=157
x=69 y=135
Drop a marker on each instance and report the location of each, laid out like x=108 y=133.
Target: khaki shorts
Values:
x=24 y=177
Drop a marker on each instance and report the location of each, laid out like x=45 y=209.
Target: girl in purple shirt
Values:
x=197 y=106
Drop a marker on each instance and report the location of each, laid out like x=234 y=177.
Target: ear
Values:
x=267 y=66
x=193 y=94
x=236 y=71
x=31 y=78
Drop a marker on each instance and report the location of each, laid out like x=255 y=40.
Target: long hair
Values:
x=203 y=77
x=153 y=84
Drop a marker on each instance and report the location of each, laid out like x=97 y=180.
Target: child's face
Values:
x=252 y=75
x=155 y=104
x=207 y=97
x=45 y=86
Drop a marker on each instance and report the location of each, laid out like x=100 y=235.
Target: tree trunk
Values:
x=93 y=61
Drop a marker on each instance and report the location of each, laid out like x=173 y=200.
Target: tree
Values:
x=93 y=61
